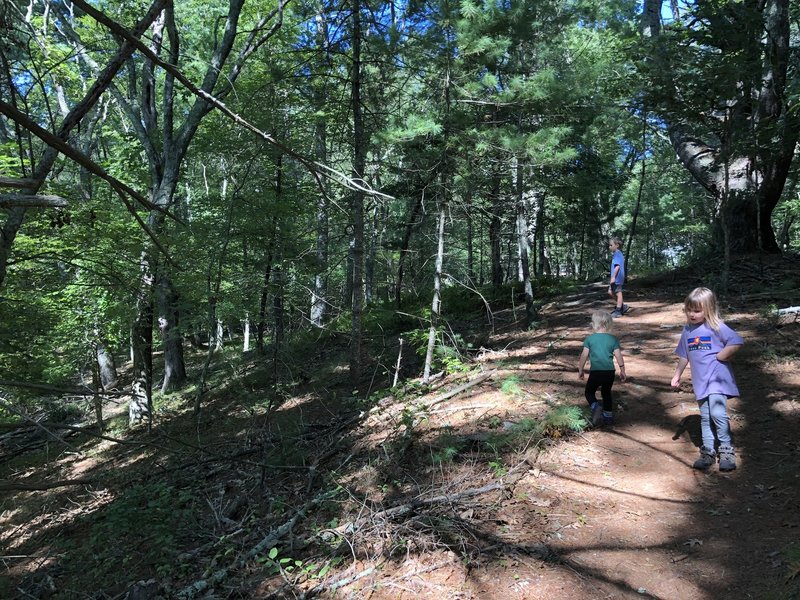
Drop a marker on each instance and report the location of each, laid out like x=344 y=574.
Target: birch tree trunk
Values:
x=436 y=303
x=523 y=246
x=107 y=369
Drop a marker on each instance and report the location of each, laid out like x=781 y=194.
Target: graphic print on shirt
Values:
x=699 y=342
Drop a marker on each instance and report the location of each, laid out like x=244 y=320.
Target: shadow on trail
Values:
x=256 y=468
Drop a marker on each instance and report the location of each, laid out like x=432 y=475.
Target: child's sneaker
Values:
x=707 y=458
x=608 y=418
x=727 y=459
x=625 y=308
x=597 y=413
x=616 y=313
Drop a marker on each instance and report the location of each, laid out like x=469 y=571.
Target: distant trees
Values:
x=298 y=165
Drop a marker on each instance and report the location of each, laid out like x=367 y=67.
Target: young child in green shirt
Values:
x=601 y=348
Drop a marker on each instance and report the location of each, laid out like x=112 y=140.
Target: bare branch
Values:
x=309 y=163
x=21 y=184
x=10 y=486
x=32 y=201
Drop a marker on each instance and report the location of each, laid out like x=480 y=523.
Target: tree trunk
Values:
x=357 y=210
x=278 y=315
x=471 y=278
x=764 y=136
x=542 y=265
x=379 y=219
x=496 y=233
x=141 y=404
x=169 y=321
x=106 y=366
x=436 y=303
x=319 y=297
x=523 y=246
x=262 y=310
x=405 y=244
x=246 y=334
x=638 y=205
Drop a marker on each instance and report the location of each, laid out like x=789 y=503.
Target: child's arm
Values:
x=621 y=363
x=676 y=379
x=614 y=274
x=582 y=362
x=728 y=351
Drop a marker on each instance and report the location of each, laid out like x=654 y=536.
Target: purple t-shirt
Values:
x=699 y=344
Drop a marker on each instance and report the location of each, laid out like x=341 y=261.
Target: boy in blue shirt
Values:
x=617 y=276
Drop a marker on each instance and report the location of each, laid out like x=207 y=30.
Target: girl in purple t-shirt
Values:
x=706 y=344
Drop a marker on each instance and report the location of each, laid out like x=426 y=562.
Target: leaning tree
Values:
x=723 y=77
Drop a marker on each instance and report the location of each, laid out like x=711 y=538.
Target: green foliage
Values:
x=498 y=468
x=148 y=519
x=562 y=420
x=792 y=556
x=445 y=448
x=510 y=386
x=448 y=352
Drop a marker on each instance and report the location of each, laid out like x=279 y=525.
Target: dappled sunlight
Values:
x=787 y=408
x=461 y=489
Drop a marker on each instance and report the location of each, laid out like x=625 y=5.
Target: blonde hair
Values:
x=602 y=321
x=704 y=299
x=616 y=240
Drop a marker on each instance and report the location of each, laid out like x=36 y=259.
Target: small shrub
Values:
x=511 y=387
x=562 y=420
x=446 y=448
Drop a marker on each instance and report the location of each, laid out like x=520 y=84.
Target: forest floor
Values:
x=441 y=493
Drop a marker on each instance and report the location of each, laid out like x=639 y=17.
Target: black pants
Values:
x=603 y=380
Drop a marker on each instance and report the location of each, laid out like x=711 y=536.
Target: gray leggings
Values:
x=715 y=408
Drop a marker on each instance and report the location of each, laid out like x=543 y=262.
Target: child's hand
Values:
x=610 y=293
x=580 y=373
x=622 y=375
x=676 y=381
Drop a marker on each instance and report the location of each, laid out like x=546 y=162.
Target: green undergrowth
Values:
x=509 y=437
x=145 y=527
x=154 y=500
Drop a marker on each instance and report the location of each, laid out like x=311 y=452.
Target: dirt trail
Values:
x=619 y=513
x=638 y=521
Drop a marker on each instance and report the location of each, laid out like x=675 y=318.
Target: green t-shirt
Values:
x=601 y=351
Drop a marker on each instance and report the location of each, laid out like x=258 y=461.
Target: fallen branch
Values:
x=42 y=387
x=335 y=585
x=270 y=541
x=453 y=409
x=403 y=509
x=455 y=392
x=37 y=424
x=10 y=486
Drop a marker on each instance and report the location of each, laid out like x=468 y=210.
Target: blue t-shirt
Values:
x=699 y=344
x=618 y=259
x=601 y=351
